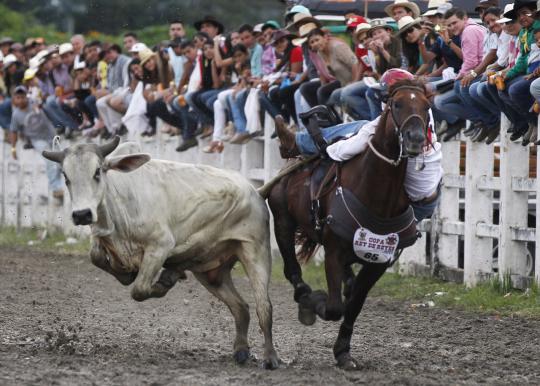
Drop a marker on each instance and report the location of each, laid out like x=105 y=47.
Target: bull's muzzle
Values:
x=82 y=217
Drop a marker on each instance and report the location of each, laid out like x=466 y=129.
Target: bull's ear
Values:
x=126 y=163
x=55 y=156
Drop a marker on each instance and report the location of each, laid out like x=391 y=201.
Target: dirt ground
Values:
x=64 y=322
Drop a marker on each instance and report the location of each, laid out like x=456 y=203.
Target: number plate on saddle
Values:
x=373 y=248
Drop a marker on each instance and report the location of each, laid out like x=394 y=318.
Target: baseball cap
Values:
x=20 y=90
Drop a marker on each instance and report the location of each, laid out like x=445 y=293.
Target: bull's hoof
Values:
x=347 y=363
x=241 y=356
x=271 y=363
x=306 y=316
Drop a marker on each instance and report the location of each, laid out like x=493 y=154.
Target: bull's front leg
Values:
x=153 y=260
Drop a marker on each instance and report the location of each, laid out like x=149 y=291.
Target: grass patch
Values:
x=494 y=297
x=36 y=238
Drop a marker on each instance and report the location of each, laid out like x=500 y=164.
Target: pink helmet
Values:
x=393 y=75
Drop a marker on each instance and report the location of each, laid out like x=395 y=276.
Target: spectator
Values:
x=457 y=101
x=402 y=8
x=176 y=29
x=130 y=39
x=78 y=43
x=435 y=12
x=29 y=120
x=5 y=45
x=485 y=4
x=210 y=26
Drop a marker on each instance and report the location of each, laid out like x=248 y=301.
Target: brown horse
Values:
x=375 y=178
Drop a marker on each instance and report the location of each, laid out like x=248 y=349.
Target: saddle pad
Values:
x=342 y=223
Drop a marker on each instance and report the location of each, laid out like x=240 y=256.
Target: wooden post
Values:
x=478 y=210
x=445 y=252
x=513 y=206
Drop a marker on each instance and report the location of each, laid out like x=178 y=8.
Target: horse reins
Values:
x=398 y=127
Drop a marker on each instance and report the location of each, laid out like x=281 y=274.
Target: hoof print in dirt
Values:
x=241 y=357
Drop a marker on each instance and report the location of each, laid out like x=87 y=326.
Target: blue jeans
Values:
x=5 y=114
x=90 y=102
x=482 y=95
x=267 y=105
x=54 y=170
x=510 y=109
x=374 y=102
x=202 y=102
x=451 y=103
x=520 y=94
x=353 y=99
x=535 y=89
x=423 y=211
x=305 y=143
x=237 y=105
x=188 y=119
x=479 y=101
x=57 y=116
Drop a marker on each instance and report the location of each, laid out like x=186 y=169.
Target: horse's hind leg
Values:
x=365 y=280
x=258 y=265
x=223 y=288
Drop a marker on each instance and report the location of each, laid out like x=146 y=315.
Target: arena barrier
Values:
x=485 y=225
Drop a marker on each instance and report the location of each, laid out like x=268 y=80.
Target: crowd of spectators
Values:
x=219 y=83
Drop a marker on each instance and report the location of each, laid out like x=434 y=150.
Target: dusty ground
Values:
x=64 y=322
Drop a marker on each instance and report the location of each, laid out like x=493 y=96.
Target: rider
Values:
x=424 y=173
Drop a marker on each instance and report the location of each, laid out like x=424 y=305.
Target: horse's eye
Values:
x=97 y=174
x=66 y=179
x=398 y=105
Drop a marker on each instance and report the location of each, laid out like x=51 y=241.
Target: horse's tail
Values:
x=308 y=246
x=265 y=190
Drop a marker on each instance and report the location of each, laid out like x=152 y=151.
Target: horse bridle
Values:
x=398 y=126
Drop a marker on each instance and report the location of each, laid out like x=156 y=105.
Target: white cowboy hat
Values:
x=300 y=19
x=505 y=19
x=65 y=48
x=138 y=47
x=9 y=60
x=433 y=7
x=362 y=27
x=379 y=23
x=407 y=22
x=405 y=4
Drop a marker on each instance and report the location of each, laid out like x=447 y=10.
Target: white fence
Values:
x=483 y=224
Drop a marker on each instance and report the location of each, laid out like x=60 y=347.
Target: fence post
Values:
x=446 y=251
x=513 y=206
x=478 y=209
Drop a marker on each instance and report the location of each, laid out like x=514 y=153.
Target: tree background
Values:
x=23 y=18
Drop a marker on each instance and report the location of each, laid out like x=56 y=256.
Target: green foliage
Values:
x=33 y=237
x=19 y=27
x=495 y=297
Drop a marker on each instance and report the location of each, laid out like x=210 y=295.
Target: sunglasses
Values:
x=410 y=31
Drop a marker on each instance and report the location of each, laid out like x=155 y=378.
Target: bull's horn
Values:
x=55 y=156
x=108 y=148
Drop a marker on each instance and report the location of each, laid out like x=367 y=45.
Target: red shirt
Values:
x=362 y=55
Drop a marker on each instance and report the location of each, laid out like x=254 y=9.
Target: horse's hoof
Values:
x=241 y=356
x=270 y=364
x=347 y=363
x=306 y=316
x=301 y=290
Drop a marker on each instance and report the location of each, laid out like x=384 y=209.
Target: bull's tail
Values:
x=265 y=190
x=308 y=246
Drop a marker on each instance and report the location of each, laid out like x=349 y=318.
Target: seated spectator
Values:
x=402 y=8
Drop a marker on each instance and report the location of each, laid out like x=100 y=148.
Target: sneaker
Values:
x=186 y=144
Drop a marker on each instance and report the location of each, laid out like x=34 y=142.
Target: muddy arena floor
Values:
x=65 y=322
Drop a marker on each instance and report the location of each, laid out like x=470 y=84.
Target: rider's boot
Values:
x=288 y=148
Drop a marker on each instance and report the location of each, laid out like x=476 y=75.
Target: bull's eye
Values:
x=97 y=174
x=67 y=179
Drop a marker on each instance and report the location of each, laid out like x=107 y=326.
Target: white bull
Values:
x=153 y=216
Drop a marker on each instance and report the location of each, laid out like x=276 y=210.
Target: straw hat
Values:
x=379 y=23
x=146 y=55
x=405 y=4
x=300 y=19
x=407 y=22
x=303 y=32
x=29 y=74
x=433 y=7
